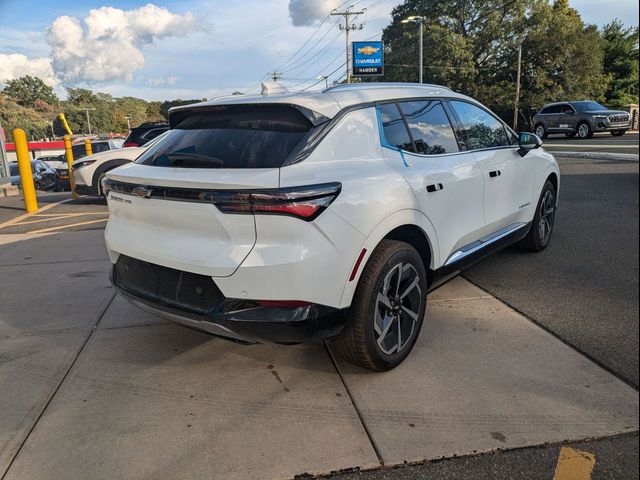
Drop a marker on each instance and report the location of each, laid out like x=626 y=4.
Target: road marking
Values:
x=62 y=227
x=59 y=217
x=574 y=465
x=599 y=146
x=26 y=215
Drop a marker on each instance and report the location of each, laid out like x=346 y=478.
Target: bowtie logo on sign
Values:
x=368 y=59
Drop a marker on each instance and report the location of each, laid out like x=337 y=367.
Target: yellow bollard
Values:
x=87 y=147
x=69 y=154
x=26 y=174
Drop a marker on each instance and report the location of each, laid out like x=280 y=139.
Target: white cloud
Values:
x=109 y=44
x=15 y=65
x=159 y=82
x=304 y=13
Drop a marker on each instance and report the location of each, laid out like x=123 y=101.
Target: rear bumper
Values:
x=242 y=320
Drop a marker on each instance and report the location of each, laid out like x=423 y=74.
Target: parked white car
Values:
x=88 y=171
x=301 y=216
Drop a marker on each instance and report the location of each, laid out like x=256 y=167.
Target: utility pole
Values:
x=347 y=27
x=128 y=117
x=88 y=119
x=516 y=106
x=419 y=20
x=275 y=76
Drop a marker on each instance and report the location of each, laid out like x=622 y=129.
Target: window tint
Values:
x=244 y=136
x=554 y=109
x=568 y=109
x=395 y=131
x=429 y=126
x=154 y=133
x=480 y=128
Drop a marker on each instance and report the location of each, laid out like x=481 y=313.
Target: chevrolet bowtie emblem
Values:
x=368 y=50
x=141 y=192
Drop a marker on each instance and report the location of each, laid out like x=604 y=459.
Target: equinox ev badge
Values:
x=144 y=192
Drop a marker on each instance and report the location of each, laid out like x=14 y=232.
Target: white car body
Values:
x=88 y=170
x=452 y=204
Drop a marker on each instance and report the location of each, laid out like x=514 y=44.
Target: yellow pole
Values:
x=87 y=147
x=69 y=154
x=26 y=174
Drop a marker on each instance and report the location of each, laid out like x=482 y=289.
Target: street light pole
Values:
x=128 y=117
x=516 y=105
x=88 y=119
x=419 y=20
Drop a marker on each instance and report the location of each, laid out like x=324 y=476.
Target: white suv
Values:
x=302 y=216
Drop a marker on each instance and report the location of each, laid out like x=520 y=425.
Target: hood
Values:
x=128 y=153
x=606 y=112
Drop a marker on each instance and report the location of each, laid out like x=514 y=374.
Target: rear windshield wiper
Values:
x=193 y=160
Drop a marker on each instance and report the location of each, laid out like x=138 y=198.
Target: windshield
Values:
x=13 y=169
x=245 y=136
x=587 y=106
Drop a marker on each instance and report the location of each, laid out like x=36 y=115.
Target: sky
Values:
x=167 y=49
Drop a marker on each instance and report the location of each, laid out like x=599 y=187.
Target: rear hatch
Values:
x=183 y=203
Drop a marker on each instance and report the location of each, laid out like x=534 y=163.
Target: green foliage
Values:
x=12 y=115
x=471 y=46
x=165 y=106
x=27 y=90
x=621 y=63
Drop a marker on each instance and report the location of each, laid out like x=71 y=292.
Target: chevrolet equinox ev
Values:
x=297 y=217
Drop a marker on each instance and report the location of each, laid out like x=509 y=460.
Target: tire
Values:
x=571 y=134
x=393 y=265
x=584 y=130
x=618 y=133
x=541 y=229
x=99 y=186
x=540 y=131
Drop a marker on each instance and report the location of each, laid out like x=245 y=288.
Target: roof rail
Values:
x=372 y=85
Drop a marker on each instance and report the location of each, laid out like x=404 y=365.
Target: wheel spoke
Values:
x=413 y=285
x=411 y=313
x=384 y=300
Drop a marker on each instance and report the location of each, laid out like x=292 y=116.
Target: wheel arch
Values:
x=105 y=167
x=410 y=226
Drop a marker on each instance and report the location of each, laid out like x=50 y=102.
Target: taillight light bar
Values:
x=304 y=202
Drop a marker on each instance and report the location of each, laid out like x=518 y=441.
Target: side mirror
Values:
x=528 y=141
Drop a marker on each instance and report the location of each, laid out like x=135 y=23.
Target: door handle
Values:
x=434 y=187
x=495 y=173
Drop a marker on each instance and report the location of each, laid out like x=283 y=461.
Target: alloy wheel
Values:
x=540 y=131
x=583 y=130
x=547 y=215
x=397 y=308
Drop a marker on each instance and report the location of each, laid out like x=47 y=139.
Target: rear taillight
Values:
x=306 y=202
x=130 y=144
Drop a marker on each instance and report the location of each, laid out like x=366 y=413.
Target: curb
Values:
x=623 y=157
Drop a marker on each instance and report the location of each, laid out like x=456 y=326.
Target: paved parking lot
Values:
x=94 y=388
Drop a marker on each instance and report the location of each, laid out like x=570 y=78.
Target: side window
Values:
x=394 y=129
x=430 y=127
x=554 y=109
x=481 y=129
x=544 y=111
x=151 y=134
x=99 y=147
x=567 y=109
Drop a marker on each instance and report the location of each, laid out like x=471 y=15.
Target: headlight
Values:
x=79 y=165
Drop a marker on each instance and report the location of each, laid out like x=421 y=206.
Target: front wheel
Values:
x=387 y=310
x=539 y=235
x=540 y=131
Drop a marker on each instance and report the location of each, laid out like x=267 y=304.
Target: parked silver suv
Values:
x=579 y=118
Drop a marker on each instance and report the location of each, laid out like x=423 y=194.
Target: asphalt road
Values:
x=601 y=142
x=583 y=289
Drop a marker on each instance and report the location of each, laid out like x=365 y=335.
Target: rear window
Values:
x=247 y=136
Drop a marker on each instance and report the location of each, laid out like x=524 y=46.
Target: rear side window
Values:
x=245 y=136
x=480 y=128
x=395 y=131
x=430 y=127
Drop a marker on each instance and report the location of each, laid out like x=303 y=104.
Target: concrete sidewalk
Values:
x=94 y=388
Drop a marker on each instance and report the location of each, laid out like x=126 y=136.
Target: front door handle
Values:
x=495 y=173
x=434 y=187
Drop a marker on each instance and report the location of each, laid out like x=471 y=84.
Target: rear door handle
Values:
x=495 y=173
x=434 y=187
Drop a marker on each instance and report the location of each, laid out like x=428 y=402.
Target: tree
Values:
x=26 y=90
x=621 y=63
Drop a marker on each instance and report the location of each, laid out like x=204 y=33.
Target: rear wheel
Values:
x=388 y=307
x=539 y=235
x=584 y=130
x=540 y=131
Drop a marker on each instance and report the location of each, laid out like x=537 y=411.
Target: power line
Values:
x=347 y=14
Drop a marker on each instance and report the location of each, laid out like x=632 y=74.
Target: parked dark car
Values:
x=145 y=132
x=581 y=118
x=45 y=177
